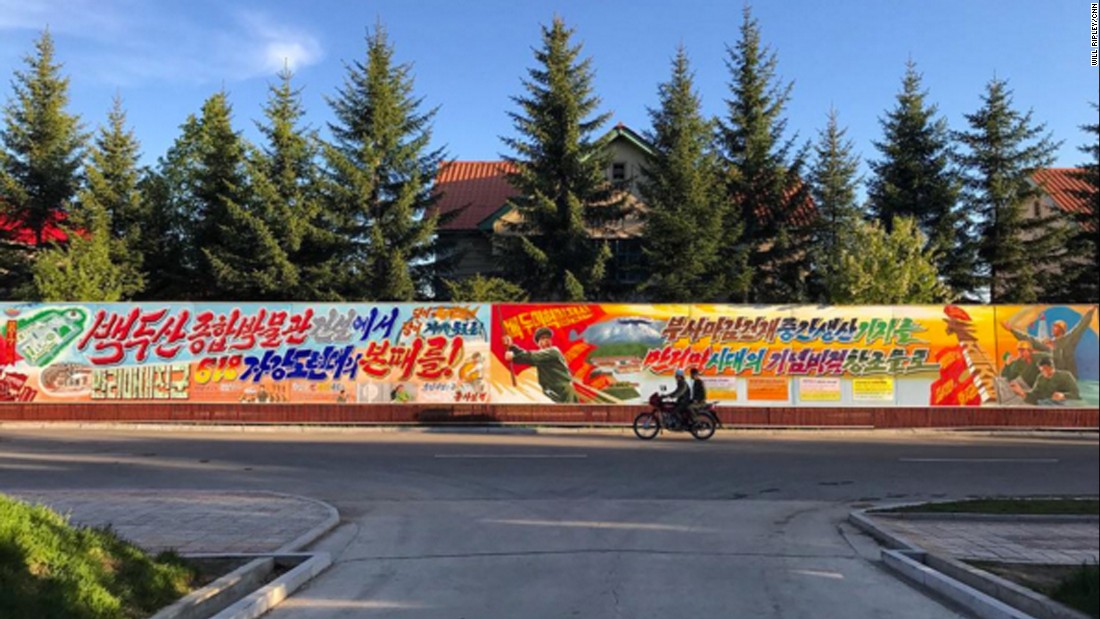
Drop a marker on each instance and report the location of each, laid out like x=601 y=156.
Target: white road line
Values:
x=820 y=574
x=983 y=460
x=496 y=456
x=599 y=524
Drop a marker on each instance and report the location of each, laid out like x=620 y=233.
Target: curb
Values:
x=964 y=517
x=219 y=594
x=978 y=591
x=968 y=597
x=864 y=523
x=271 y=595
x=312 y=535
x=267 y=597
x=1014 y=595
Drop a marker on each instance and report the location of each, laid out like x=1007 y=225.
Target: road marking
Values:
x=495 y=456
x=599 y=524
x=983 y=460
x=820 y=574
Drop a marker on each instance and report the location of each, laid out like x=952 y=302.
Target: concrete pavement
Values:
x=604 y=559
x=1003 y=538
x=453 y=525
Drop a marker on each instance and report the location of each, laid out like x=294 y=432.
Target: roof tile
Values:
x=15 y=231
x=1065 y=187
x=478 y=187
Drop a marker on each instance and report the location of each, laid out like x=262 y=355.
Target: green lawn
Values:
x=1044 y=506
x=1081 y=590
x=1074 y=586
x=52 y=570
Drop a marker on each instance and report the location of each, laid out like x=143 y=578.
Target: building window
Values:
x=626 y=261
x=618 y=171
x=1036 y=210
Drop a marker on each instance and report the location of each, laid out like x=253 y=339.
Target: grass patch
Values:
x=1076 y=586
x=1035 y=507
x=1081 y=590
x=52 y=570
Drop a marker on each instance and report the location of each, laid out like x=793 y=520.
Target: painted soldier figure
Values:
x=553 y=371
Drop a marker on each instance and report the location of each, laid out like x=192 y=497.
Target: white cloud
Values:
x=280 y=45
x=128 y=41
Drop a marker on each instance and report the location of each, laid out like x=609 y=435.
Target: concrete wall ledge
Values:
x=565 y=415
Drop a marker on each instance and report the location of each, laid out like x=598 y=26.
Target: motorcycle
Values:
x=663 y=416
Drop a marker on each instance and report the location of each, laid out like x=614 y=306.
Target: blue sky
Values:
x=165 y=58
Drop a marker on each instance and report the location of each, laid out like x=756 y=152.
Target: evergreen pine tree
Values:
x=40 y=158
x=686 y=199
x=1003 y=149
x=285 y=181
x=239 y=256
x=484 y=289
x=111 y=193
x=560 y=176
x=915 y=178
x=1082 y=266
x=381 y=171
x=102 y=256
x=764 y=174
x=168 y=191
x=204 y=207
x=833 y=178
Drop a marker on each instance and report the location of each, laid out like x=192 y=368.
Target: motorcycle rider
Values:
x=698 y=390
x=682 y=397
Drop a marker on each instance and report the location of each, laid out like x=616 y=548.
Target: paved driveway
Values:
x=462 y=525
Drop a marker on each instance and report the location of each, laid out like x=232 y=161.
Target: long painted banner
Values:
x=549 y=353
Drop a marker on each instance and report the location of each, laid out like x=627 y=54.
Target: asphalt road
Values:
x=579 y=525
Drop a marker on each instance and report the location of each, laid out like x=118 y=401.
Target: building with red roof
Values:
x=474 y=195
x=1063 y=191
x=473 y=201
x=17 y=232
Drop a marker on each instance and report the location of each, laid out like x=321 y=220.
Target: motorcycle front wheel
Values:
x=703 y=427
x=646 y=426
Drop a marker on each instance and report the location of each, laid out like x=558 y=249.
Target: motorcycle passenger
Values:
x=682 y=397
x=698 y=390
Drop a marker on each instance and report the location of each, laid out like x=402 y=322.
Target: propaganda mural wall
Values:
x=801 y=356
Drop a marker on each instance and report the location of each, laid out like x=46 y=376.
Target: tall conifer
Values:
x=1081 y=269
x=41 y=148
x=764 y=173
x=916 y=178
x=381 y=170
x=686 y=199
x=239 y=256
x=1003 y=148
x=204 y=196
x=168 y=190
x=285 y=180
x=112 y=178
x=834 y=179
x=560 y=176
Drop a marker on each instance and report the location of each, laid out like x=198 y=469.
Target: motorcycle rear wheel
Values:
x=646 y=426
x=703 y=427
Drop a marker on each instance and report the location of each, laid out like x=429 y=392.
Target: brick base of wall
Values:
x=547 y=415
